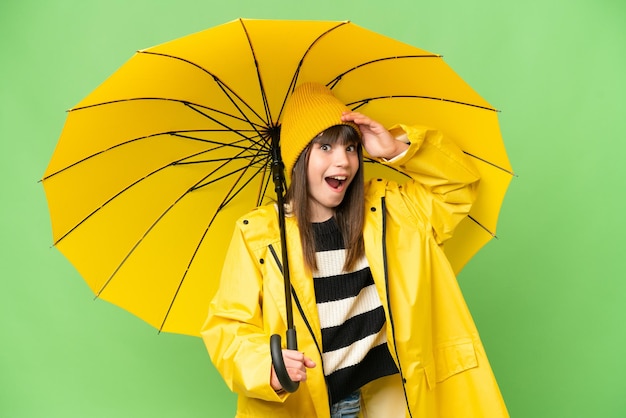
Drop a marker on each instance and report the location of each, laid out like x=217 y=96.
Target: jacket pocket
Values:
x=451 y=359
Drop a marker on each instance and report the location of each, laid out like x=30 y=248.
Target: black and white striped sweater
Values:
x=351 y=317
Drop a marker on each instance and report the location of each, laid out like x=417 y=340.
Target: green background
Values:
x=548 y=296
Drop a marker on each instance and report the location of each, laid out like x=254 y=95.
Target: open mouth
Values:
x=336 y=182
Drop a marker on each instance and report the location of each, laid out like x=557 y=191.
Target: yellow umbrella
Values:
x=153 y=167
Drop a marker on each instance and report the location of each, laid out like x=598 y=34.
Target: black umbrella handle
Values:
x=278 y=362
x=276 y=348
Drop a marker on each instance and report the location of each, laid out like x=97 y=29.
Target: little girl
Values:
x=383 y=329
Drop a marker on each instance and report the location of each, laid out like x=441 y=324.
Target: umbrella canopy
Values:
x=155 y=165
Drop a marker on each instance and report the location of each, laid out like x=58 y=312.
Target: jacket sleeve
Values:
x=233 y=332
x=444 y=182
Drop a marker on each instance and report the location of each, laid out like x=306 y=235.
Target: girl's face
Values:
x=331 y=168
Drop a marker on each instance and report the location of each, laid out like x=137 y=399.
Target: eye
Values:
x=351 y=148
x=325 y=147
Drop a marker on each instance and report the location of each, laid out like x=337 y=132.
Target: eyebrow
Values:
x=338 y=140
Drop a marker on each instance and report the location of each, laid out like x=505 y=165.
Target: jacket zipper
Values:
x=386 y=273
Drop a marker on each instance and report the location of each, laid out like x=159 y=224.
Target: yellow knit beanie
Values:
x=310 y=110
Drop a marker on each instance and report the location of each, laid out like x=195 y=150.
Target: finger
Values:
x=293 y=355
x=309 y=363
x=297 y=375
x=358 y=118
x=297 y=359
x=295 y=365
x=355 y=117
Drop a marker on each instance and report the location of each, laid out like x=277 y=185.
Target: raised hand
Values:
x=377 y=140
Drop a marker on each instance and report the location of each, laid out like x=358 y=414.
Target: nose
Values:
x=341 y=158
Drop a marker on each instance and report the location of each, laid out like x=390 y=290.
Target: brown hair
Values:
x=350 y=212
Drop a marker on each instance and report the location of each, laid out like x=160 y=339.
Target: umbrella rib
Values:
x=225 y=201
x=296 y=74
x=112 y=198
x=482 y=226
x=230 y=94
x=184 y=276
x=241 y=170
x=195 y=107
x=192 y=106
x=132 y=250
x=266 y=183
x=332 y=83
x=268 y=115
x=125 y=189
x=212 y=160
x=219 y=144
x=164 y=99
x=172 y=133
x=490 y=163
x=253 y=159
x=222 y=85
x=363 y=102
x=153 y=225
x=254 y=127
